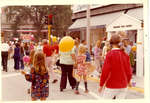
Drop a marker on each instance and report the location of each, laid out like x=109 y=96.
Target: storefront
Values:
x=98 y=24
x=133 y=28
x=130 y=22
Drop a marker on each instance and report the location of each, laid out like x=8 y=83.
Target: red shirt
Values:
x=56 y=47
x=48 y=50
x=116 y=71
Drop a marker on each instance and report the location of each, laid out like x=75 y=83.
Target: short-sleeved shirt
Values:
x=66 y=58
x=4 y=47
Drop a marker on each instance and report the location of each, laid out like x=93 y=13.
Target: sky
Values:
x=77 y=8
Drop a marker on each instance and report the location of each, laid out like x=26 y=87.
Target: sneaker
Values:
x=86 y=91
x=54 y=81
x=76 y=92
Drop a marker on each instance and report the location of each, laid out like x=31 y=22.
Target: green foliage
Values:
x=20 y=15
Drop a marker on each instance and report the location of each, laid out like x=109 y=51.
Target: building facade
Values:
x=100 y=18
x=108 y=19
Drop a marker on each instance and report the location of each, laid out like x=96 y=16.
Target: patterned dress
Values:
x=40 y=84
x=81 y=67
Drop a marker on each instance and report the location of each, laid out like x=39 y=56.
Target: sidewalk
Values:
x=139 y=81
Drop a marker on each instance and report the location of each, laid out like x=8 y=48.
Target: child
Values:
x=81 y=68
x=31 y=62
x=116 y=71
x=39 y=78
x=133 y=58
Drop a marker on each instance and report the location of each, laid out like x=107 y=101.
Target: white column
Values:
x=108 y=35
x=81 y=35
x=140 y=53
x=88 y=27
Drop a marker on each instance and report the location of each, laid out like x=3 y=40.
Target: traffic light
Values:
x=50 y=20
x=46 y=20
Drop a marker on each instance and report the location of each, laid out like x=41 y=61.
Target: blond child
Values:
x=39 y=78
x=81 y=68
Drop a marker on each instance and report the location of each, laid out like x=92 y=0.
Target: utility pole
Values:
x=88 y=27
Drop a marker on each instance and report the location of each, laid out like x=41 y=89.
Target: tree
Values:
x=20 y=15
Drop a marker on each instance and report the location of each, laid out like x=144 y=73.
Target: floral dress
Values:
x=81 y=67
x=40 y=84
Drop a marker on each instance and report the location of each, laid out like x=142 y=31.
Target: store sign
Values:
x=27 y=37
x=122 y=26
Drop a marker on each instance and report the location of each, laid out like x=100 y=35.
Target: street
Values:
x=14 y=88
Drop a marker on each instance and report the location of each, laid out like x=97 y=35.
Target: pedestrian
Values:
x=39 y=47
x=81 y=69
x=116 y=71
x=17 y=57
x=10 y=51
x=127 y=45
x=97 y=56
x=66 y=62
x=83 y=43
x=31 y=57
x=26 y=49
x=4 y=54
x=88 y=55
x=21 y=56
x=39 y=78
x=49 y=52
x=31 y=46
x=55 y=48
x=132 y=56
x=106 y=48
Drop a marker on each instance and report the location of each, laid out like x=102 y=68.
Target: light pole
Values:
x=88 y=27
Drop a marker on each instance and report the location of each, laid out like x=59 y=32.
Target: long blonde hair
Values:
x=82 y=50
x=98 y=43
x=39 y=63
x=31 y=56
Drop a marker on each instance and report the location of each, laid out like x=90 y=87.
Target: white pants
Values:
x=111 y=93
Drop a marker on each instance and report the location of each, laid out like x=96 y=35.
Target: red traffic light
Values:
x=50 y=16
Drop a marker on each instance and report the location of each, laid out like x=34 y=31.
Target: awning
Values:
x=95 y=20
x=106 y=19
x=136 y=13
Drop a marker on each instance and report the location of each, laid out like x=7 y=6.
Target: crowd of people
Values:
x=113 y=61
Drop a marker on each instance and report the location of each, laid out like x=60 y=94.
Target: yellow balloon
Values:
x=54 y=38
x=133 y=48
x=66 y=44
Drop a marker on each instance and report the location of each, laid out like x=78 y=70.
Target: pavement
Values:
x=14 y=88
